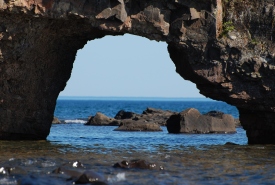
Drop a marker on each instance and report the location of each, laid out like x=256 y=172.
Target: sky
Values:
x=127 y=66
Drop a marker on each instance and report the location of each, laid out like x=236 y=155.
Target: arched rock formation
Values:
x=225 y=47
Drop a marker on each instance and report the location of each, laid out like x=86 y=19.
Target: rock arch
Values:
x=225 y=47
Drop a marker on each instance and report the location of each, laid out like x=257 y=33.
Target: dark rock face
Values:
x=225 y=47
x=191 y=121
x=101 y=119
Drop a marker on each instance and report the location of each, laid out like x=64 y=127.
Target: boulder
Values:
x=156 y=115
x=125 y=115
x=133 y=125
x=100 y=120
x=192 y=121
x=56 y=120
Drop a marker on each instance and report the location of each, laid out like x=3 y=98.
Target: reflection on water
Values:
x=189 y=160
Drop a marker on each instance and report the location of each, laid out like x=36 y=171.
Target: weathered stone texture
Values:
x=191 y=121
x=225 y=47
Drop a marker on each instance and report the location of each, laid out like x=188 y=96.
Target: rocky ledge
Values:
x=225 y=47
x=150 y=120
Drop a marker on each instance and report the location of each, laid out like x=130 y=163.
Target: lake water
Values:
x=186 y=158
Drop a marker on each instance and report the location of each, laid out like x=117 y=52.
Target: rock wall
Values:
x=225 y=47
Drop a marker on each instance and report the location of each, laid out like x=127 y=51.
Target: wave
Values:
x=75 y=121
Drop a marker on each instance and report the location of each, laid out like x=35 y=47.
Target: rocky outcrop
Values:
x=225 y=47
x=100 y=119
x=130 y=121
x=149 y=115
x=191 y=121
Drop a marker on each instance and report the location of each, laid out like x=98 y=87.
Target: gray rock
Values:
x=56 y=120
x=101 y=119
x=191 y=121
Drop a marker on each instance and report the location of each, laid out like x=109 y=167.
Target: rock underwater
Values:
x=225 y=47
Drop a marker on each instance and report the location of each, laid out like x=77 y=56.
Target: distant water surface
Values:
x=80 y=108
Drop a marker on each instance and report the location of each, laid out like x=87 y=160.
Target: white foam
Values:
x=120 y=177
x=48 y=164
x=75 y=121
x=6 y=181
x=117 y=178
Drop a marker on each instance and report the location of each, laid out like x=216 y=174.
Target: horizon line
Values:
x=133 y=98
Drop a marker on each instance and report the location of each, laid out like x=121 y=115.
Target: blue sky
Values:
x=127 y=66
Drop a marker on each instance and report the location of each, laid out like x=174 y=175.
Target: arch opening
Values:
x=127 y=66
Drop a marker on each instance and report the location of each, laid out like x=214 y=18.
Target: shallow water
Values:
x=186 y=158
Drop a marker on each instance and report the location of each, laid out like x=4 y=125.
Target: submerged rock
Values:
x=133 y=125
x=101 y=119
x=191 y=121
x=230 y=144
x=78 y=174
x=140 y=164
x=40 y=180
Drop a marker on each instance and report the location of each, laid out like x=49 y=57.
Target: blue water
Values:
x=77 y=110
x=186 y=158
x=81 y=108
x=96 y=137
